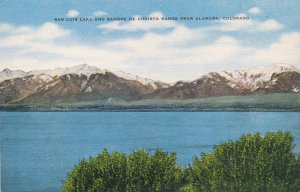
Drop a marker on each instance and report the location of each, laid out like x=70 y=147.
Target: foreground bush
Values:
x=253 y=163
x=139 y=171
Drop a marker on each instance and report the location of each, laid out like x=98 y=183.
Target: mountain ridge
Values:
x=83 y=69
x=84 y=82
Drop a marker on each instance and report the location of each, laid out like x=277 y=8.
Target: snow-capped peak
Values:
x=80 y=69
x=6 y=70
x=252 y=77
x=83 y=69
x=265 y=71
x=9 y=74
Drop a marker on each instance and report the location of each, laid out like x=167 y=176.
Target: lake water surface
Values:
x=38 y=149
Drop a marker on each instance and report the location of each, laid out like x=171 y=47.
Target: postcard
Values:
x=156 y=95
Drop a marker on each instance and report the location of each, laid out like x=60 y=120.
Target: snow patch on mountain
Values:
x=42 y=77
x=144 y=81
x=88 y=90
x=83 y=85
x=296 y=90
x=50 y=85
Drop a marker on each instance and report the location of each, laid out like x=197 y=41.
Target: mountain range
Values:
x=89 y=83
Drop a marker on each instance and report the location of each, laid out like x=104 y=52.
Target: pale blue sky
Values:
x=185 y=50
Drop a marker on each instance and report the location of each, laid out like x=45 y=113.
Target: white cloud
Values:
x=5 y=27
x=72 y=13
x=268 y=25
x=24 y=36
x=50 y=31
x=285 y=50
x=180 y=36
x=255 y=10
x=142 y=25
x=99 y=13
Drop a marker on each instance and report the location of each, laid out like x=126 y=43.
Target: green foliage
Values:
x=105 y=172
x=158 y=172
x=252 y=163
x=139 y=171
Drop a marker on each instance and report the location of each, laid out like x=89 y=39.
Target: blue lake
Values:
x=38 y=149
